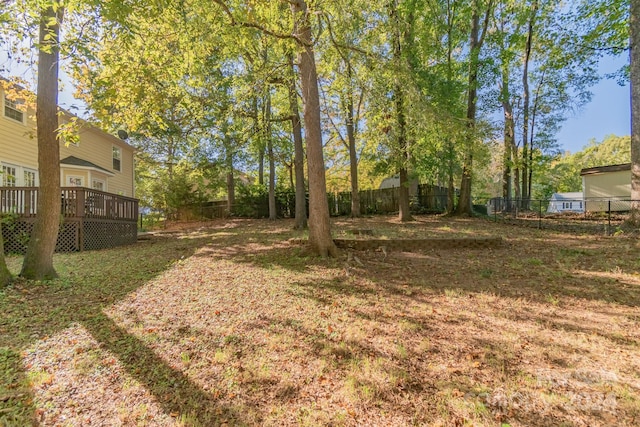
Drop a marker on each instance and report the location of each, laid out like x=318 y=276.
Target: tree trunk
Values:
x=404 y=213
x=320 y=238
x=258 y=130
x=298 y=147
x=464 y=202
x=231 y=187
x=509 y=137
x=450 y=189
x=476 y=41
x=5 y=275
x=634 y=70
x=353 y=158
x=38 y=261
x=525 y=110
x=450 y=142
x=272 y=162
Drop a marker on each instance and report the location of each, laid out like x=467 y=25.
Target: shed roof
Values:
x=567 y=196
x=603 y=169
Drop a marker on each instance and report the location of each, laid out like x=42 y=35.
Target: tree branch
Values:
x=257 y=26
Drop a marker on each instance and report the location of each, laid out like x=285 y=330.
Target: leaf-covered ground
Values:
x=230 y=323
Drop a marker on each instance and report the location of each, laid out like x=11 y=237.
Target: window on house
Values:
x=117 y=156
x=9 y=176
x=12 y=111
x=97 y=184
x=9 y=199
x=75 y=181
x=29 y=178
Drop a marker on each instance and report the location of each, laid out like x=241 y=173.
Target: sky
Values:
x=609 y=111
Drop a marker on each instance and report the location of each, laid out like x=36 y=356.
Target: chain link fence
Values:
x=592 y=215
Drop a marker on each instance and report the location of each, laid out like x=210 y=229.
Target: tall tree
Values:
x=526 y=102
x=320 y=237
x=301 y=197
x=634 y=69
x=38 y=261
x=400 y=115
x=477 y=37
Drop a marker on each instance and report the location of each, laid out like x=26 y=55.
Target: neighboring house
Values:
x=96 y=176
x=607 y=187
x=98 y=160
x=566 y=202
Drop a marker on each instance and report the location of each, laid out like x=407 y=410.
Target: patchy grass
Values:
x=228 y=323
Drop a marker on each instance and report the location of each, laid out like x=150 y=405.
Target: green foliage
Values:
x=252 y=201
x=563 y=175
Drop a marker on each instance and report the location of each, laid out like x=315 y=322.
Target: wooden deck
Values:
x=91 y=219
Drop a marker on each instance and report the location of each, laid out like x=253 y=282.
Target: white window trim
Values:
x=37 y=176
x=115 y=147
x=24 y=113
x=68 y=181
x=102 y=181
x=20 y=170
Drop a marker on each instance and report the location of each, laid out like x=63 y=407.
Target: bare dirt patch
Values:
x=228 y=323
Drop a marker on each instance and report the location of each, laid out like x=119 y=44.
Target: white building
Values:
x=566 y=202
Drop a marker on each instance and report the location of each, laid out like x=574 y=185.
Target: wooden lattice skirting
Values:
x=76 y=234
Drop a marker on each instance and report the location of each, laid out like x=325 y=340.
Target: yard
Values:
x=232 y=323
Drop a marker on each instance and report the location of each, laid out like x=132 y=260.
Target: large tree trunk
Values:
x=351 y=140
x=298 y=147
x=404 y=213
x=320 y=238
x=476 y=41
x=634 y=25
x=5 y=275
x=464 y=202
x=38 y=261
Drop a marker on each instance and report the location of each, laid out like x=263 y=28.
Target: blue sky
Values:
x=608 y=112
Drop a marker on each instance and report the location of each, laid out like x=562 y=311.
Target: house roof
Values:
x=603 y=169
x=75 y=161
x=575 y=196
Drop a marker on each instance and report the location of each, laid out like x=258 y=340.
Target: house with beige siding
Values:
x=97 y=160
x=98 y=207
x=607 y=187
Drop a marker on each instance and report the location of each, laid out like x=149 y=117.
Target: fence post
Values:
x=609 y=219
x=540 y=214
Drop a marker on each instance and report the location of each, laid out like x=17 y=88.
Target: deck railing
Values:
x=75 y=202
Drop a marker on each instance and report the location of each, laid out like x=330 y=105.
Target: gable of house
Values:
x=98 y=160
